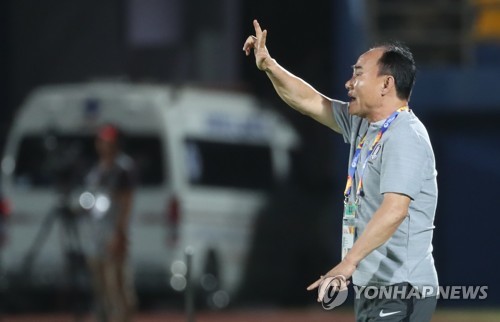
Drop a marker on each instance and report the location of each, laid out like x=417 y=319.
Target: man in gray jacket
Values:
x=391 y=190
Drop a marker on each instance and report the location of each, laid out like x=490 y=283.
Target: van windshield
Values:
x=229 y=165
x=50 y=160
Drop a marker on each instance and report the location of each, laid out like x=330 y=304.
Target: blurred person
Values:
x=111 y=182
x=391 y=191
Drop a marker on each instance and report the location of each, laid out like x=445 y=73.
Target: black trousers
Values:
x=399 y=303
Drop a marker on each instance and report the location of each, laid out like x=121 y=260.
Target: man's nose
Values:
x=348 y=84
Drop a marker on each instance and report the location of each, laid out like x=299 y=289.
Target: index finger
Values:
x=258 y=30
x=314 y=285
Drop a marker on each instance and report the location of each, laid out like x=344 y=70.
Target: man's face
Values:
x=105 y=149
x=365 y=86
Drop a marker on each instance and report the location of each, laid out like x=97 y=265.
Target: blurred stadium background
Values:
x=457 y=48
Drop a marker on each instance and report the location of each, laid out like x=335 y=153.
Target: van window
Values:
x=229 y=165
x=50 y=160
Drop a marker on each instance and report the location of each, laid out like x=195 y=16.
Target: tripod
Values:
x=73 y=253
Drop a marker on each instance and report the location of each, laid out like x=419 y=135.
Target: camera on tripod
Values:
x=67 y=159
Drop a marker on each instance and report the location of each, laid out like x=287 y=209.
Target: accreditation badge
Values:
x=348 y=227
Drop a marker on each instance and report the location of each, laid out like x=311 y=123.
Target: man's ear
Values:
x=388 y=85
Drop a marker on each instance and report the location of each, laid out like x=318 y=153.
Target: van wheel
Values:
x=213 y=295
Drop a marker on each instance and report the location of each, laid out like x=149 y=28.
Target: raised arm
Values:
x=294 y=91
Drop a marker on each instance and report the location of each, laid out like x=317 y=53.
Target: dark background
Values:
x=57 y=41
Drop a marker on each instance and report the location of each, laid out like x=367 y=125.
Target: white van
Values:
x=204 y=158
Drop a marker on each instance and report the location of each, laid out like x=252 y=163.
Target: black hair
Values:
x=397 y=61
